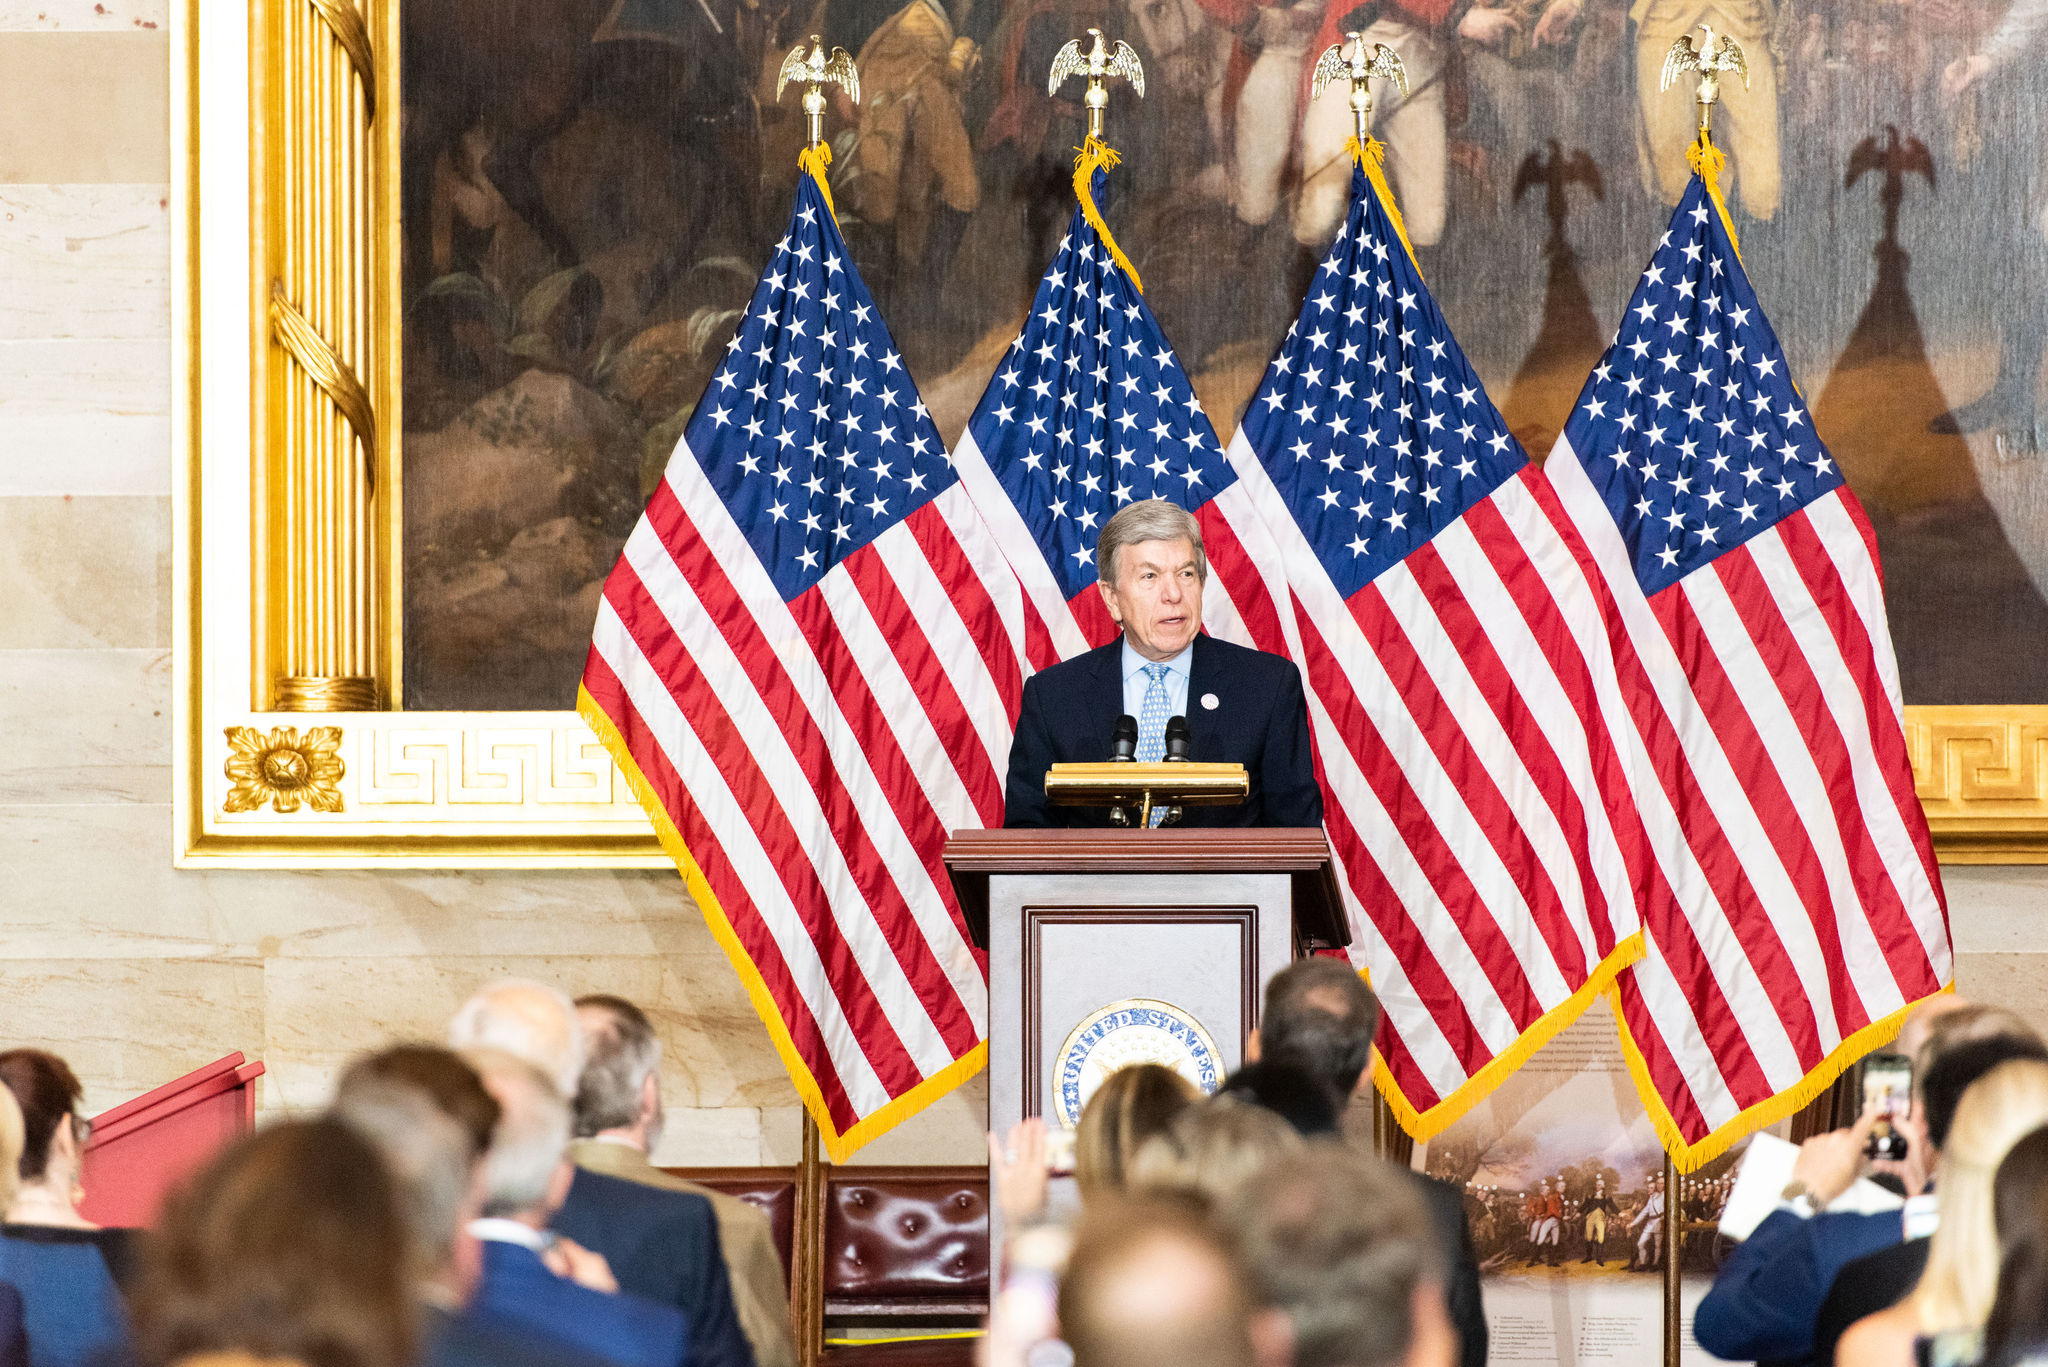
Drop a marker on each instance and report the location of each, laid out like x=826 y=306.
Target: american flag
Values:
x=806 y=661
x=1090 y=410
x=1799 y=910
x=1457 y=687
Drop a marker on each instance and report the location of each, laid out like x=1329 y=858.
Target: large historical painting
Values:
x=591 y=186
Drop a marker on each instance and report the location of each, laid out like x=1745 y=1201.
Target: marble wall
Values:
x=138 y=972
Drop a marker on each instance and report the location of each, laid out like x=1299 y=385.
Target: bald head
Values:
x=1150 y=1285
x=527 y=1020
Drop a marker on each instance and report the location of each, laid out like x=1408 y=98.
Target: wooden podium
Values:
x=141 y=1148
x=1079 y=921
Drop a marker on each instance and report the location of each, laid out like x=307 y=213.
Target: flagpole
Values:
x=1674 y=1230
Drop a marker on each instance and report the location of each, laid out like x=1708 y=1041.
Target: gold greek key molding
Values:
x=323 y=364
x=345 y=21
x=1982 y=777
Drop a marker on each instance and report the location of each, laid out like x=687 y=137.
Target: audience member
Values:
x=618 y=1125
x=419 y=1105
x=1767 y=1301
x=68 y=1271
x=1129 y=1107
x=661 y=1245
x=13 y=1333
x=1345 y=1249
x=290 y=1247
x=1320 y=1018
x=1954 y=1294
x=1289 y=1092
x=1879 y=1280
x=1150 y=1284
x=541 y=1284
x=527 y=1020
x=1211 y=1148
x=2016 y=1330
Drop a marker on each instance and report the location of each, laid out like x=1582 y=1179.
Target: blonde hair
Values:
x=1212 y=1148
x=1130 y=1106
x=1999 y=1109
x=13 y=1134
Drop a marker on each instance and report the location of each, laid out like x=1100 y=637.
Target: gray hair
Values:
x=619 y=1058
x=1338 y=1243
x=1151 y=519
x=427 y=1152
x=533 y=1133
x=527 y=1020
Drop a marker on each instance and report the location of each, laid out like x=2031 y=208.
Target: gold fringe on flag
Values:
x=1095 y=153
x=1371 y=156
x=814 y=160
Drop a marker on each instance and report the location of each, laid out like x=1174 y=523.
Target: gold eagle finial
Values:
x=815 y=70
x=1360 y=67
x=1711 y=59
x=1100 y=64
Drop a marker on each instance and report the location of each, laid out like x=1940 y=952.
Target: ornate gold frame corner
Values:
x=258 y=785
x=288 y=750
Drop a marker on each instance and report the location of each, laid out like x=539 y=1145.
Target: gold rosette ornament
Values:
x=284 y=770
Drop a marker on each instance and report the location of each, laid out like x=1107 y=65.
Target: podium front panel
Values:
x=1065 y=947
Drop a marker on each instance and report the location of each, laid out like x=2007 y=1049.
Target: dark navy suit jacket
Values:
x=1260 y=721
x=518 y=1292
x=1767 y=1296
x=13 y=1336
x=470 y=1340
x=663 y=1247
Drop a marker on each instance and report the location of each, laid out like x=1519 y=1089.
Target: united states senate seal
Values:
x=1135 y=1030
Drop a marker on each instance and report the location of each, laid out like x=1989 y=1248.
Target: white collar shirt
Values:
x=1137 y=682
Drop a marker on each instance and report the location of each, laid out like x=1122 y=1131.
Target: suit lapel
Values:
x=1205 y=734
x=1108 y=690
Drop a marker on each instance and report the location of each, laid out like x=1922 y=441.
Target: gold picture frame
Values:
x=291 y=745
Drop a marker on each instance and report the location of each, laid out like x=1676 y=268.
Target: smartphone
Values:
x=1888 y=1087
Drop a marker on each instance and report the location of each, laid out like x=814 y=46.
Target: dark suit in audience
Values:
x=518 y=1291
x=663 y=1247
x=469 y=1341
x=1767 y=1296
x=71 y=1298
x=13 y=1333
x=1876 y=1281
x=1461 y=1292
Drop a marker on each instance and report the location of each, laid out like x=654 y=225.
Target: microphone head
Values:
x=1177 y=738
x=1123 y=742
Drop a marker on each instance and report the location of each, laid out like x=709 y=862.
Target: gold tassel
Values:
x=1707 y=162
x=814 y=160
x=1370 y=156
x=1094 y=153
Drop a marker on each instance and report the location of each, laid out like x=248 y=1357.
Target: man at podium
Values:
x=1237 y=705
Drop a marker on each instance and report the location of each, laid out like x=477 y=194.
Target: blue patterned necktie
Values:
x=1152 y=714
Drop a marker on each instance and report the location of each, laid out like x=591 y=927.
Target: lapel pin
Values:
x=1210 y=701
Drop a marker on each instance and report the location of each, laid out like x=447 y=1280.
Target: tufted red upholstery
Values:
x=771 y=1189
x=906 y=1241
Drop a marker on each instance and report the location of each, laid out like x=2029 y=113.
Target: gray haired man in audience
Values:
x=1344 y=1251
x=618 y=1125
x=661 y=1245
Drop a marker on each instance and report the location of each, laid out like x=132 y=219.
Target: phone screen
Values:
x=1888 y=1083
x=1887 y=1087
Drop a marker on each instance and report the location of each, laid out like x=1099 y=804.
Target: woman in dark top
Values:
x=67 y=1269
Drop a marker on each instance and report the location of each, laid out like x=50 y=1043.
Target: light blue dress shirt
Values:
x=1135 y=682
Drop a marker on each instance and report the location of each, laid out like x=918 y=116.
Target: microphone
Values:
x=1123 y=742
x=1177 y=739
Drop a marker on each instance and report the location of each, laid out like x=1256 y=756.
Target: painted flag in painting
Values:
x=1799 y=911
x=806 y=662
x=1458 y=688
